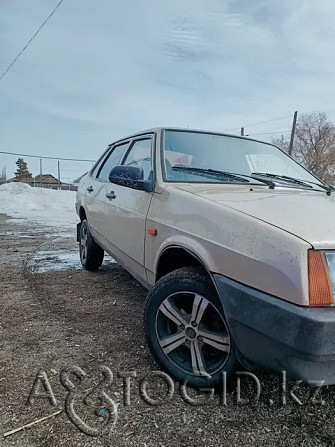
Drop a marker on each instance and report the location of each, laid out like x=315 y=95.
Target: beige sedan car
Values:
x=233 y=239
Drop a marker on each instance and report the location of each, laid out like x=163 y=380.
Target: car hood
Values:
x=309 y=215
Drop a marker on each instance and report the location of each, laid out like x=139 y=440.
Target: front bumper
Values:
x=278 y=334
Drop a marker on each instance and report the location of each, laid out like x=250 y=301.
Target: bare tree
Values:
x=314 y=145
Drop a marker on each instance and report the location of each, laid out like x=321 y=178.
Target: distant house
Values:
x=49 y=181
x=45 y=179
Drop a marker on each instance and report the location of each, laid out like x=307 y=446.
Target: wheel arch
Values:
x=176 y=256
x=82 y=213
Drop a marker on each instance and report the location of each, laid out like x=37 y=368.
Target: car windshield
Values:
x=196 y=157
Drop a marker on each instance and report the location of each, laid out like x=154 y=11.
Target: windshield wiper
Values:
x=239 y=177
x=286 y=178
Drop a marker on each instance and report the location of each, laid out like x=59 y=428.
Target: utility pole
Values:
x=294 y=125
x=40 y=171
x=242 y=131
x=58 y=175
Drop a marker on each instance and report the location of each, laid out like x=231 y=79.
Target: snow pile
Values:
x=40 y=205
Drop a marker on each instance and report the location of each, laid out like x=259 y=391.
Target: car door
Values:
x=126 y=209
x=96 y=189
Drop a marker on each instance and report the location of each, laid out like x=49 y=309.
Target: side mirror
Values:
x=131 y=177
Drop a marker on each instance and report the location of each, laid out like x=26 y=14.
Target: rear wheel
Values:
x=91 y=254
x=187 y=331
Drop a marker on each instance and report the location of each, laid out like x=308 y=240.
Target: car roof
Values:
x=186 y=129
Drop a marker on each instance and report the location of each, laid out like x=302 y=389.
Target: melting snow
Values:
x=45 y=207
x=46 y=261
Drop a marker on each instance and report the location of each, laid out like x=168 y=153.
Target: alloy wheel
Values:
x=192 y=334
x=83 y=243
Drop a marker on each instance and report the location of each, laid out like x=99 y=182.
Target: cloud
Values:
x=99 y=70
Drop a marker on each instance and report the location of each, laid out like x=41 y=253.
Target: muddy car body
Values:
x=234 y=240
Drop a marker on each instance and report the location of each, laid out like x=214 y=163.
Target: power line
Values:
x=269 y=133
x=275 y=119
x=326 y=110
x=263 y=122
x=49 y=158
x=30 y=40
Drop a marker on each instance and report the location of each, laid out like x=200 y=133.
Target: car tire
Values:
x=91 y=254
x=187 y=332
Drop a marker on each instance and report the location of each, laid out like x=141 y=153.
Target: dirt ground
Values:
x=58 y=317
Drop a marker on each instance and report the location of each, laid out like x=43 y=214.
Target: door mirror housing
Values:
x=131 y=177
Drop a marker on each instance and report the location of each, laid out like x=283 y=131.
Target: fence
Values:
x=47 y=172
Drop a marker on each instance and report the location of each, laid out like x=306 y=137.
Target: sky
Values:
x=100 y=70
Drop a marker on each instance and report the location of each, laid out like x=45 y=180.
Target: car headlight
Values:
x=321 y=277
x=330 y=259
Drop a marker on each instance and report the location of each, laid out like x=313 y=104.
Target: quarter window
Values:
x=98 y=164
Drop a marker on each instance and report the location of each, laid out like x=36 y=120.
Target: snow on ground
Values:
x=46 y=208
x=40 y=205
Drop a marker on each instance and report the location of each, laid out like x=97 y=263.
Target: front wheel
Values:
x=186 y=329
x=91 y=254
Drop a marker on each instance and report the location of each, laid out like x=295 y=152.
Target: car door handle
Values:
x=111 y=195
x=90 y=189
